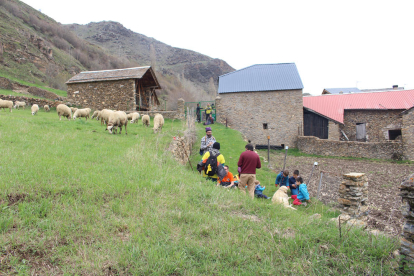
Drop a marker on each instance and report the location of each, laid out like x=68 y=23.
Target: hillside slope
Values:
x=75 y=200
x=37 y=49
x=195 y=72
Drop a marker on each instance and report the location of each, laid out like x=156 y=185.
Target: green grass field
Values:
x=75 y=200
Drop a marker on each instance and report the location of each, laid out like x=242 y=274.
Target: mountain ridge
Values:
x=38 y=49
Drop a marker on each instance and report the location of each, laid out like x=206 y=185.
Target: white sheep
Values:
x=35 y=109
x=117 y=119
x=73 y=109
x=6 y=104
x=133 y=117
x=105 y=115
x=64 y=110
x=46 y=108
x=82 y=113
x=18 y=104
x=96 y=114
x=158 y=122
x=146 y=120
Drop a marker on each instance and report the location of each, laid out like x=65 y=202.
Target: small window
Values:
x=394 y=133
x=264 y=126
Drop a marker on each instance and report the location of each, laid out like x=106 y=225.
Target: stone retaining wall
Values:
x=407 y=210
x=379 y=150
x=175 y=114
x=31 y=101
x=181 y=147
x=43 y=93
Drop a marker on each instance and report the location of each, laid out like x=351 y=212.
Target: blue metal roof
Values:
x=344 y=90
x=261 y=77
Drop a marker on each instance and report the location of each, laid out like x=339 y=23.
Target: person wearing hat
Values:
x=207 y=141
x=215 y=151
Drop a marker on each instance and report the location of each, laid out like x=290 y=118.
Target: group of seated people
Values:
x=210 y=147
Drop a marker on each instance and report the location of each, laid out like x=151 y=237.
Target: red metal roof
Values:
x=333 y=106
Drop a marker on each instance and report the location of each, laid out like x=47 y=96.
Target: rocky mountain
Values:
x=37 y=49
x=196 y=73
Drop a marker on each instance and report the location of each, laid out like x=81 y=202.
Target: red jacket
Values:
x=249 y=161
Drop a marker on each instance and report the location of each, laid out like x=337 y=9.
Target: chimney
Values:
x=395 y=87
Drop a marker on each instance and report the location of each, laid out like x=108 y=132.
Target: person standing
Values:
x=207 y=141
x=249 y=161
x=208 y=111
x=198 y=112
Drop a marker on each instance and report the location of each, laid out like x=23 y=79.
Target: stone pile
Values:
x=353 y=194
x=407 y=210
x=181 y=147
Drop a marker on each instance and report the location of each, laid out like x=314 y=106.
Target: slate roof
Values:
x=344 y=90
x=333 y=106
x=261 y=77
x=107 y=75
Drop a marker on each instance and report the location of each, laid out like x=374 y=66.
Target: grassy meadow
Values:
x=75 y=200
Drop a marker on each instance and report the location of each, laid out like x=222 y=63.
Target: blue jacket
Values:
x=294 y=191
x=303 y=192
x=259 y=190
x=282 y=180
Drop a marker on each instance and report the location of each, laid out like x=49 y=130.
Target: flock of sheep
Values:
x=112 y=119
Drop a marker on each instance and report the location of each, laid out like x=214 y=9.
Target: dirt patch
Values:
x=247 y=217
x=383 y=192
x=15 y=198
x=38 y=260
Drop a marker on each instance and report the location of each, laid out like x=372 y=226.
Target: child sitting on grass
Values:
x=294 y=189
x=303 y=194
x=258 y=191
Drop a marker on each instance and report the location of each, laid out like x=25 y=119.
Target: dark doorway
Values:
x=315 y=125
x=394 y=133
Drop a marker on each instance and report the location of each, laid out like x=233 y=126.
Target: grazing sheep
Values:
x=133 y=117
x=6 y=104
x=46 y=107
x=73 y=109
x=18 y=104
x=281 y=197
x=64 y=110
x=146 y=120
x=117 y=119
x=158 y=122
x=96 y=114
x=35 y=109
x=82 y=113
x=105 y=116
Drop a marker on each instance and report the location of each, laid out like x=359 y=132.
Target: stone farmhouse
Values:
x=122 y=89
x=262 y=100
x=373 y=125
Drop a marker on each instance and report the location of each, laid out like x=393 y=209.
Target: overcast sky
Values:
x=364 y=44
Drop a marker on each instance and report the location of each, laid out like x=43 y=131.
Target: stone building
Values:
x=262 y=100
x=364 y=117
x=122 y=89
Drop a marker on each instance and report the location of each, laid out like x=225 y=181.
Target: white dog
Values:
x=281 y=197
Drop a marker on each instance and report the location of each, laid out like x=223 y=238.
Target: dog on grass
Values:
x=281 y=197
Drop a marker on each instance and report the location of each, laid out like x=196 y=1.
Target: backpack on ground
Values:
x=210 y=167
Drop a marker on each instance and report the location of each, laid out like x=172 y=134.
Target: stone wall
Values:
x=407 y=210
x=353 y=194
x=333 y=131
x=181 y=147
x=380 y=150
x=378 y=122
x=408 y=134
x=31 y=101
x=247 y=112
x=175 y=114
x=117 y=94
